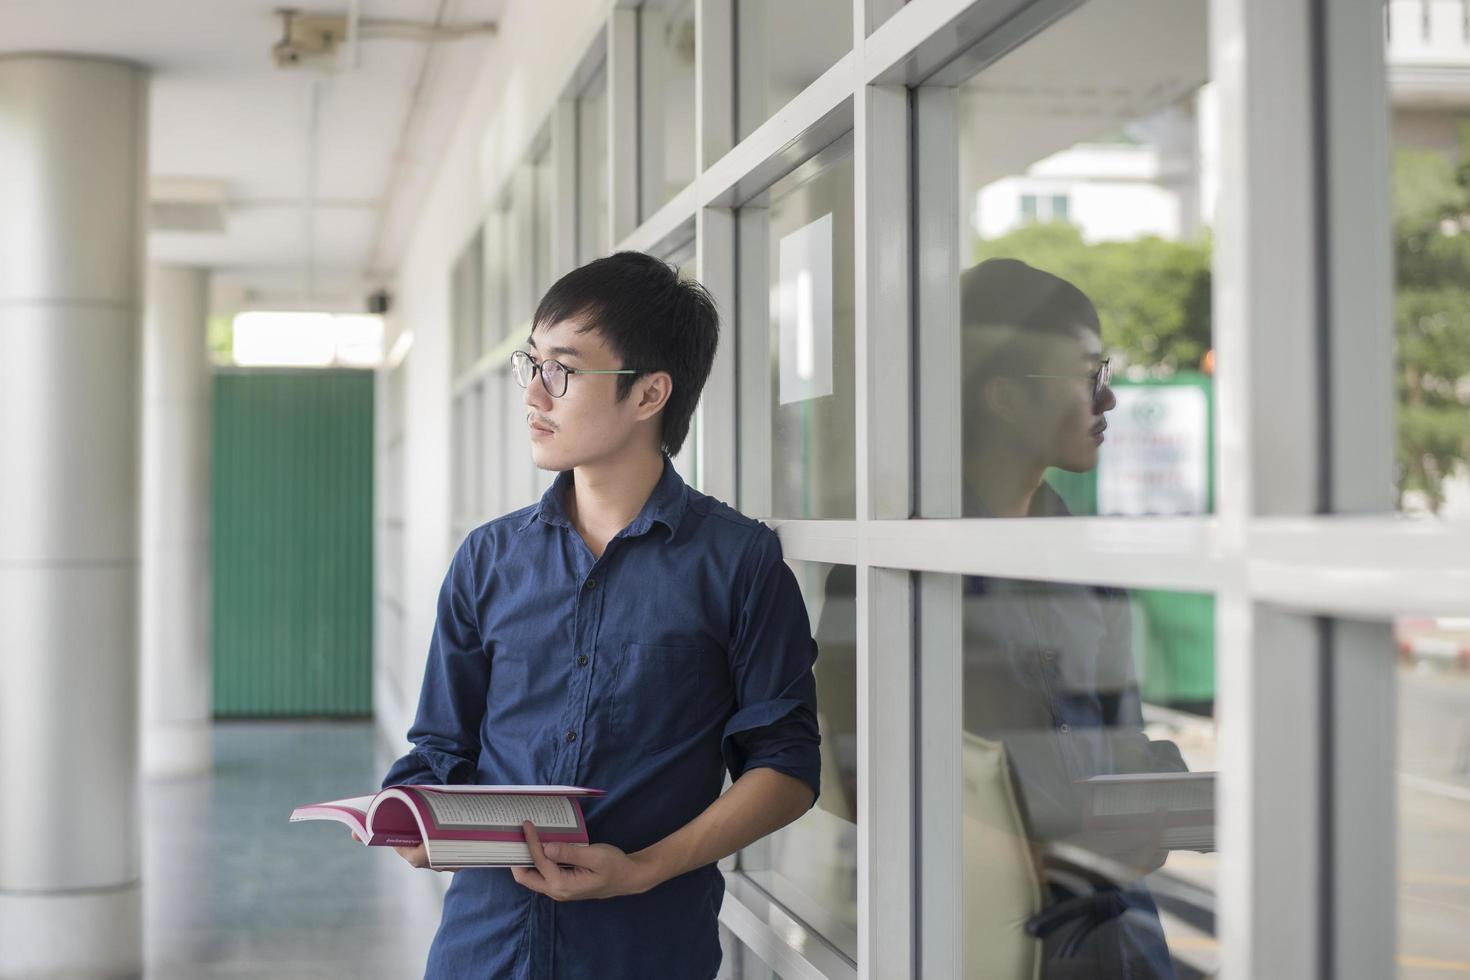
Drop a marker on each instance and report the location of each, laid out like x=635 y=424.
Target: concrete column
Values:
x=73 y=173
x=175 y=649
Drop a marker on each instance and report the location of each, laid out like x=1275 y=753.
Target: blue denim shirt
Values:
x=682 y=652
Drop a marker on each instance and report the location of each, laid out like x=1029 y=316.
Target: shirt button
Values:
x=1064 y=728
x=582 y=660
x=591 y=584
x=571 y=736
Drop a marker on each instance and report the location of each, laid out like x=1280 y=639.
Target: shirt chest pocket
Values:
x=664 y=695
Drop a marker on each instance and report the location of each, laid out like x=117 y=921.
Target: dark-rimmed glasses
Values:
x=1099 y=376
x=554 y=374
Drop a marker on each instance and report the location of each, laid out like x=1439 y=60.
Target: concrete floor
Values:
x=233 y=890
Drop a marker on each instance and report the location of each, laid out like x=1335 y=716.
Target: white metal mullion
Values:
x=828 y=542
x=887 y=868
x=1362 y=738
x=522 y=298
x=714 y=72
x=1361 y=566
x=1360 y=230
x=622 y=134
x=937 y=402
x=884 y=423
x=652 y=126
x=1361 y=731
x=1268 y=805
x=753 y=350
x=714 y=236
x=521 y=303
x=941 y=803
x=1180 y=554
x=937 y=300
x=564 y=184
x=714 y=243
x=1268 y=662
x=495 y=441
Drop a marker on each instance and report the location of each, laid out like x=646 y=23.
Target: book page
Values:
x=358 y=804
x=496 y=811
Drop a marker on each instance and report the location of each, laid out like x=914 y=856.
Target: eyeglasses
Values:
x=1099 y=377
x=524 y=367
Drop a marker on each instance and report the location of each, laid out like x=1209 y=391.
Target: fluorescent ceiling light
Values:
x=295 y=339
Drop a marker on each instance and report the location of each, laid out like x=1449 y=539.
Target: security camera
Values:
x=308 y=38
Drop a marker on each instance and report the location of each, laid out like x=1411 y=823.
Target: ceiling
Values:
x=222 y=111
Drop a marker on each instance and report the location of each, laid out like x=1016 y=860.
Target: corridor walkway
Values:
x=232 y=890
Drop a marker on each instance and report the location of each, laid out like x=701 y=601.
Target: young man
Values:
x=626 y=633
x=1048 y=666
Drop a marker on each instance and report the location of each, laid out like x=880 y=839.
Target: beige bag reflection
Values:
x=1002 y=883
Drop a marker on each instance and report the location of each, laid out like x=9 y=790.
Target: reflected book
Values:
x=1178 y=806
x=461 y=826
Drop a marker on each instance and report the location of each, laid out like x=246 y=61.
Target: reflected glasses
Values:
x=554 y=374
x=1099 y=377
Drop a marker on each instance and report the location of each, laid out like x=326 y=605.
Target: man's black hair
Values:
x=650 y=318
x=1008 y=292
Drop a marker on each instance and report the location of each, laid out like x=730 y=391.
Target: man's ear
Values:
x=652 y=392
x=1005 y=400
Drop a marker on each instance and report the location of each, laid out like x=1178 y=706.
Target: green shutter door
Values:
x=293 y=573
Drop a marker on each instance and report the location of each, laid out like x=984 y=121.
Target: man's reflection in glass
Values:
x=1049 y=684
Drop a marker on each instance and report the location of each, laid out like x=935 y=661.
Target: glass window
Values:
x=543 y=191
x=465 y=286
x=1433 y=796
x=1431 y=210
x=1085 y=175
x=782 y=48
x=740 y=962
x=1087 y=763
x=492 y=441
x=592 y=150
x=808 y=332
x=666 y=100
x=810 y=867
x=497 y=256
x=687 y=461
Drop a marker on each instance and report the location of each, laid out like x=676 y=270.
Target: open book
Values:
x=461 y=826
x=1178 y=806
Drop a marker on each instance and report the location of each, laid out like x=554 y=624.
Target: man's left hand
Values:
x=592 y=870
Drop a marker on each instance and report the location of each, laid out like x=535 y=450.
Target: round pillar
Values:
x=73 y=196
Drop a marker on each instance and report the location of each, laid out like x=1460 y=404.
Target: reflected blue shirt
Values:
x=683 y=652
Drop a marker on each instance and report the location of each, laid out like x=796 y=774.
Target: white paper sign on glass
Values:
x=1156 y=457
x=804 y=312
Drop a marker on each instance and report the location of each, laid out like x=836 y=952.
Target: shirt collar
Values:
x=1046 y=502
x=666 y=505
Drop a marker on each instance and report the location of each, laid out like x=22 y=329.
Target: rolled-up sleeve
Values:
x=771 y=656
x=446 y=731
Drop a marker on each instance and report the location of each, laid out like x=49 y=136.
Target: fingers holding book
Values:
x=573 y=872
x=418 y=856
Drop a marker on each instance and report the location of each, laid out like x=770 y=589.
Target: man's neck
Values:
x=1004 y=483
x=606 y=496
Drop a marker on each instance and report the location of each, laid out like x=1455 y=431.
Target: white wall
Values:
x=539 y=45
